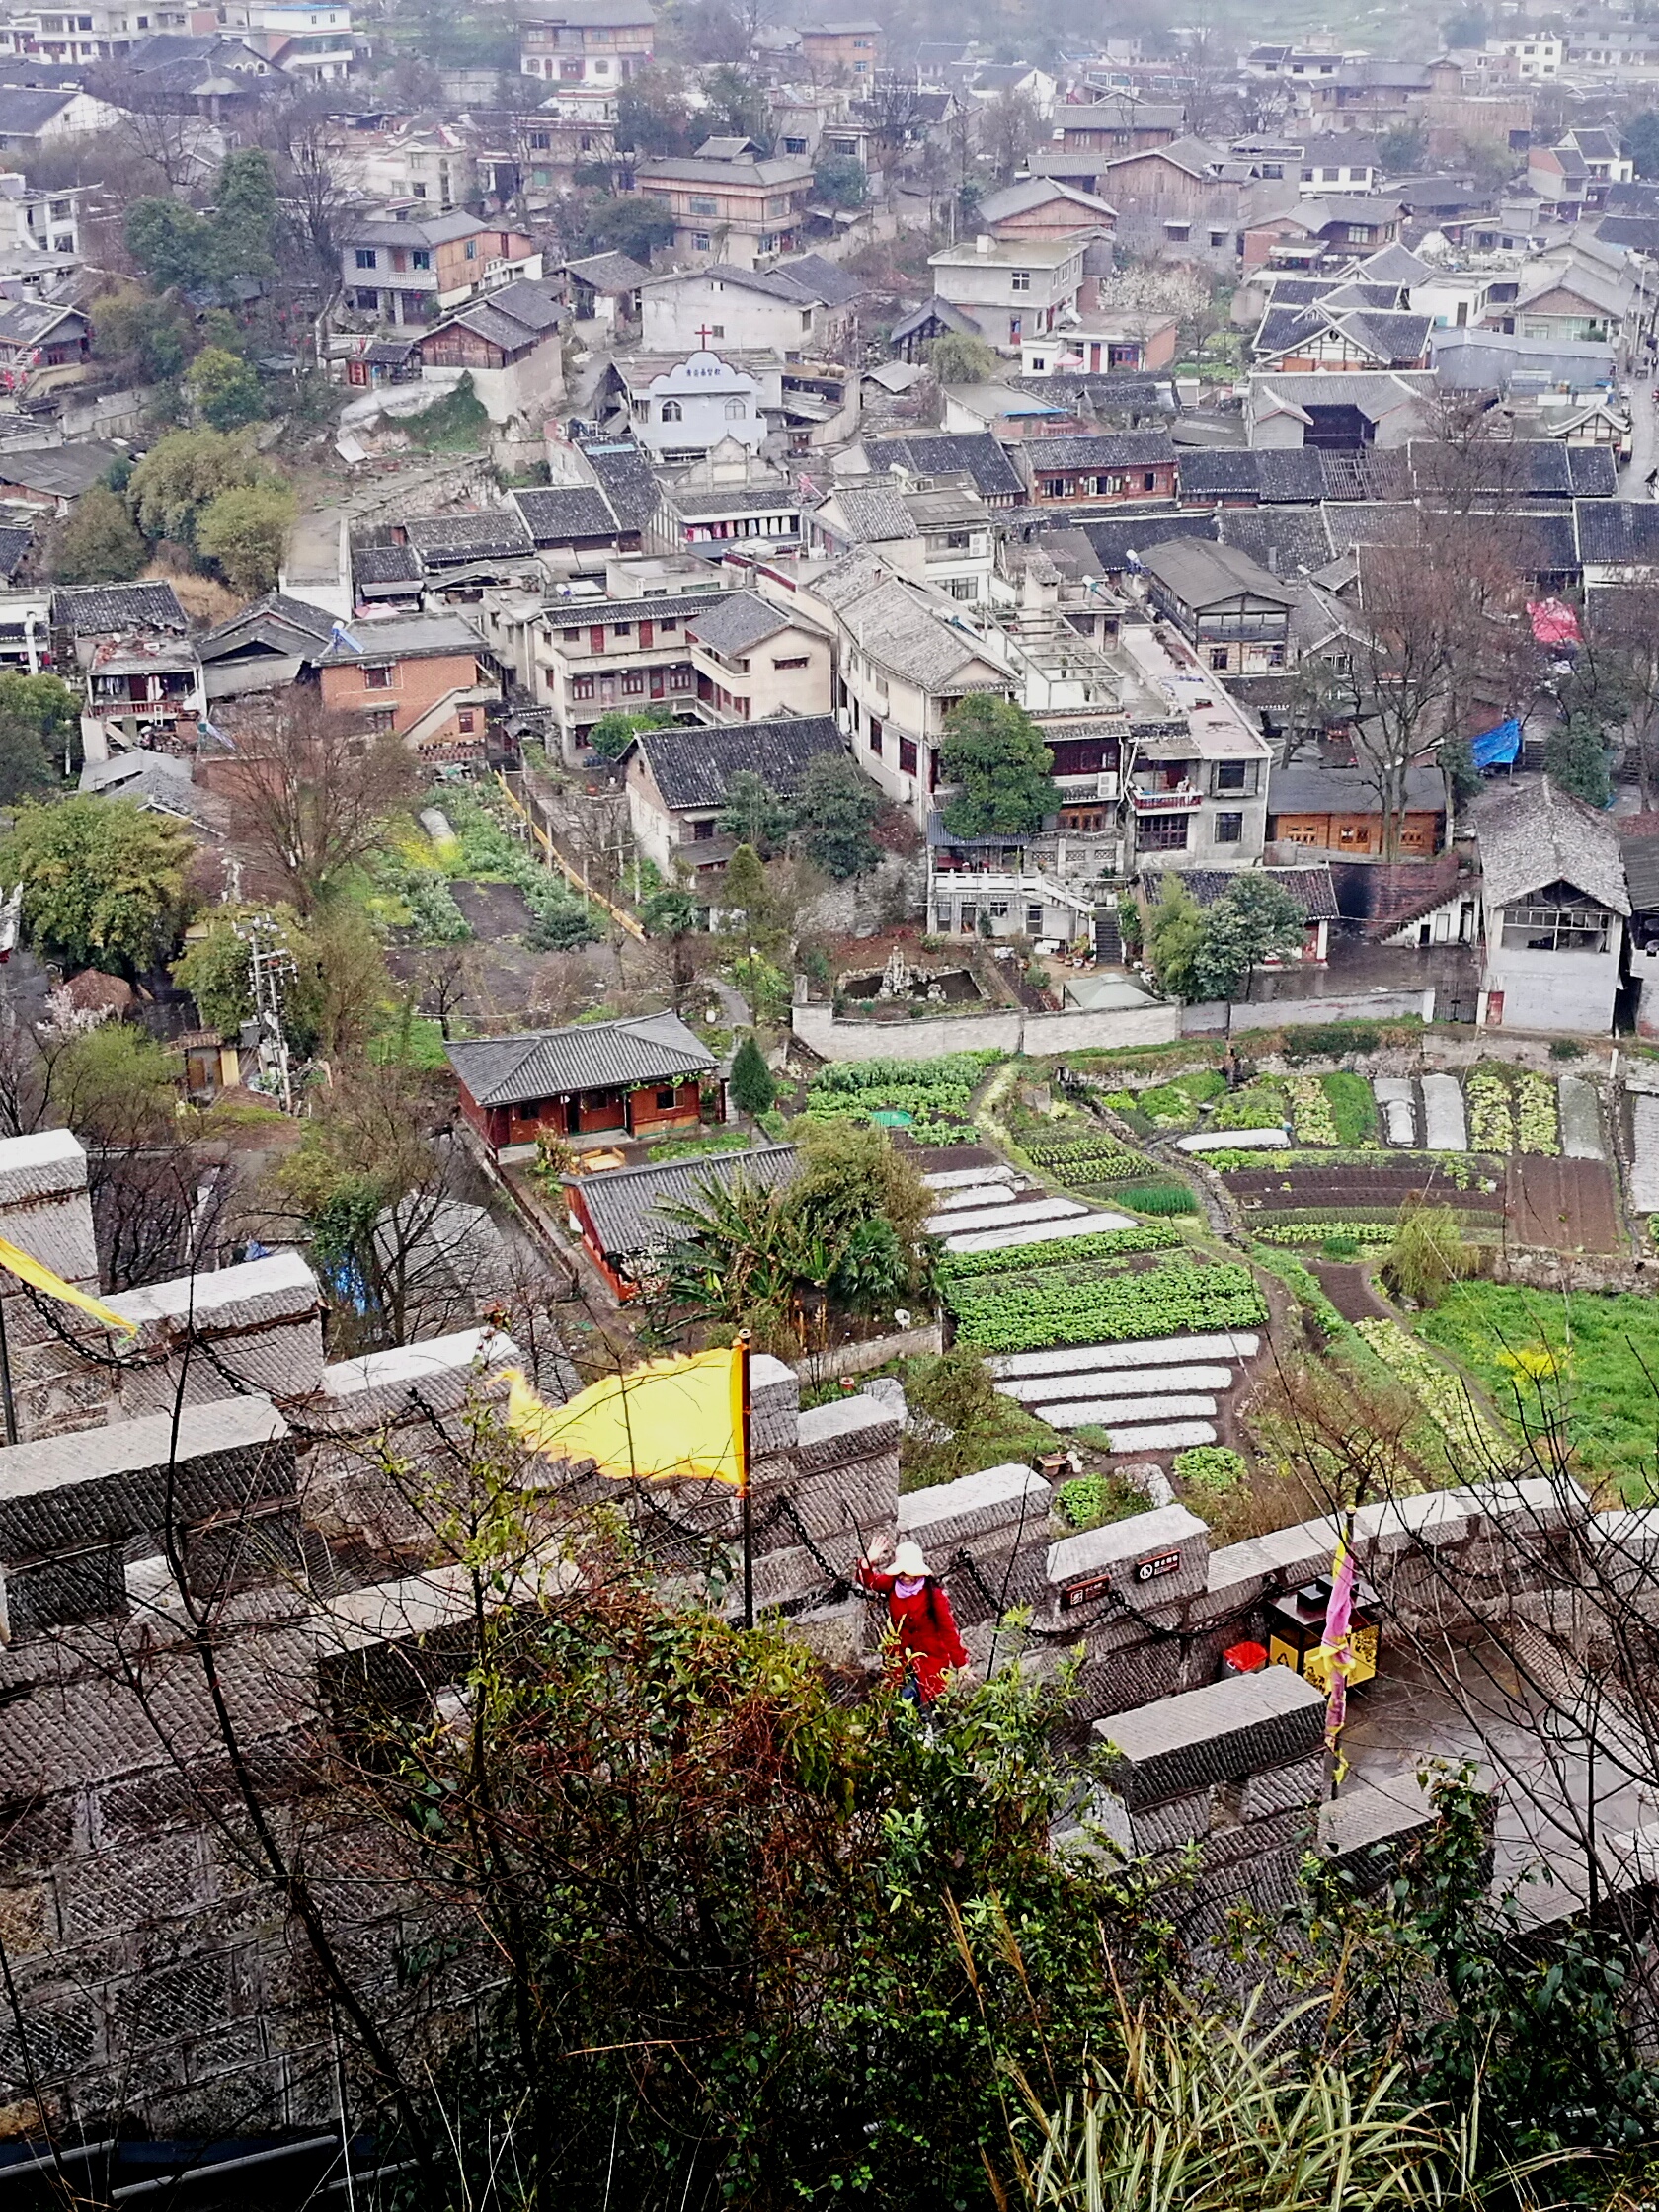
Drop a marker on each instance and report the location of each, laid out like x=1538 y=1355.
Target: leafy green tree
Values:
x=653 y=113
x=181 y=475
x=835 y=809
x=614 y=733
x=753 y=1091
x=673 y=913
x=995 y=754
x=244 y=218
x=748 y=907
x=243 y=533
x=1428 y=1254
x=956 y=358
x=115 y=1084
x=97 y=543
x=1255 y=919
x=172 y=245
x=24 y=770
x=1641 y=142
x=104 y=883
x=1577 y=758
x=139 y=335
x=1173 y=934
x=1402 y=150
x=632 y=223
x=756 y=814
x=227 y=391
x=737 y=105
x=842 y=180
x=44 y=704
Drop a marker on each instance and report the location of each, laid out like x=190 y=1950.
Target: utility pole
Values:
x=270 y=965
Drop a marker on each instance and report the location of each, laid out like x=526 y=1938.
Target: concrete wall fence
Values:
x=1012 y=1030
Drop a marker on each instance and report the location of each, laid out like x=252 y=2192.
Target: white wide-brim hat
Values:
x=908 y=1561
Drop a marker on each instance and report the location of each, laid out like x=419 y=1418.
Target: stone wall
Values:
x=1210 y=1019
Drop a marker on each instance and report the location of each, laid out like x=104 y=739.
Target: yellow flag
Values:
x=27 y=1269
x=680 y=1417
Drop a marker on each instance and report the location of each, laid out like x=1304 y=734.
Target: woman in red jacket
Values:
x=924 y=1647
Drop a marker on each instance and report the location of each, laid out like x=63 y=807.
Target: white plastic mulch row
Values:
x=1144 y=1350
x=1399 y=1118
x=1165 y=1436
x=963 y=1178
x=1105 y=1413
x=1581 y=1120
x=1236 y=1139
x=1122 y=1383
x=1040 y=1209
x=1445 y=1124
x=1037 y=1232
x=1644 y=1165
x=979 y=1194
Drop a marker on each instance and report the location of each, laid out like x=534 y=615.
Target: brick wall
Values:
x=417 y=683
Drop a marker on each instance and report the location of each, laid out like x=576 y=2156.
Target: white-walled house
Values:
x=1555 y=903
x=793 y=308
x=698 y=404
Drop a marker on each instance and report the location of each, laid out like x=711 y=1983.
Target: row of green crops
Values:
x=1157 y=1198
x=1095 y=1158
x=1310 y=1111
x=485 y=851
x=1322 y=1231
x=1512 y=1110
x=1586 y=1364
x=1454 y=1168
x=1059 y=1251
x=1015 y=1316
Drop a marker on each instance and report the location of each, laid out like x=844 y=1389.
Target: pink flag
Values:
x=1335 y=1644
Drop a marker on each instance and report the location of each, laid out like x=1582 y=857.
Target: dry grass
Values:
x=203 y=598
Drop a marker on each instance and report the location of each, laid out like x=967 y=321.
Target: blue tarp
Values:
x=1494 y=748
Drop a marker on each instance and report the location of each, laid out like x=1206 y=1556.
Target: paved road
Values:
x=1644 y=448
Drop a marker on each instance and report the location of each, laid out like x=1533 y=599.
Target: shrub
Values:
x=1566 y=1048
x=1212 y=1467
x=1091 y=1501
x=1328 y=1041
x=1343 y=1247
x=1428 y=1254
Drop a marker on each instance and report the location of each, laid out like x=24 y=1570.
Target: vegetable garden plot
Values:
x=1563 y=1204
x=1027 y=1207
x=1130 y=1381
x=1092 y=1158
x=1396 y=1095
x=1644 y=1165
x=1064 y=1251
x=1168 y=1436
x=1241 y=1344
x=1445 y=1124
x=1019 y=1316
x=966 y=1178
x=1023 y=1234
x=1242 y=1140
x=1104 y=1413
x=1581 y=1120
x=976 y=1195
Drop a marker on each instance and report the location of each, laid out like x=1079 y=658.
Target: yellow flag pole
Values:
x=747 y=1500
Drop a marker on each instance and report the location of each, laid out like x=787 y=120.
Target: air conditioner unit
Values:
x=1108 y=787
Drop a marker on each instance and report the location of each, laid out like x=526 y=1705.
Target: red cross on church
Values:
x=704 y=334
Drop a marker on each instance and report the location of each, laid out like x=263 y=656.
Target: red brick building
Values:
x=420 y=675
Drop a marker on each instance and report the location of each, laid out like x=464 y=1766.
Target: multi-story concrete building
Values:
x=727 y=209
x=419 y=674
x=587 y=657
x=586 y=47
x=310 y=39
x=1013 y=290
x=403 y=266
x=851 y=48
x=758 y=657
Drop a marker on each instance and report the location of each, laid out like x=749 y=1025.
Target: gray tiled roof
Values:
x=14 y=546
x=1115 y=537
x=1199 y=575
x=1306 y=787
x=1284 y=539
x=734 y=622
x=385 y=564
x=1216 y=472
x=736 y=499
x=593 y=1055
x=608 y=272
x=625 y=1206
x=693 y=768
x=557 y=514
x=874 y=513
x=442 y=541
x=405 y=637
x=1101 y=449
x=91 y=609
x=1311 y=886
x=1618 y=531
x=1530 y=833
x=626 y=477
x=937 y=454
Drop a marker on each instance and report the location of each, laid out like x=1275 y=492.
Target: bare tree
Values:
x=152 y=123
x=314 y=793
x=1009 y=127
